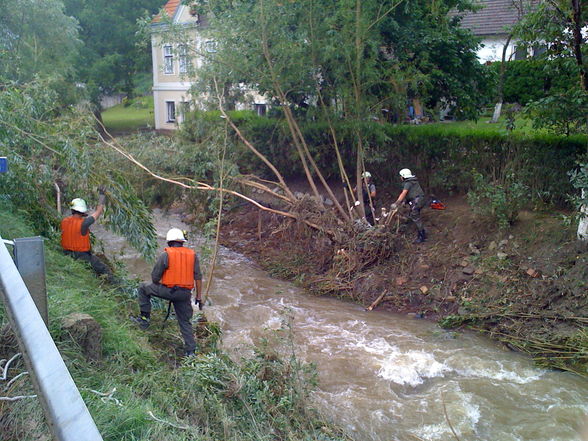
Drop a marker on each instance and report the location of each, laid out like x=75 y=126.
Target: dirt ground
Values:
x=526 y=287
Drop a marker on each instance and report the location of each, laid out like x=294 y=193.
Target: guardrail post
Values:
x=65 y=410
x=29 y=256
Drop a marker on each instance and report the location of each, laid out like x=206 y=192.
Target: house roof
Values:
x=493 y=19
x=170 y=9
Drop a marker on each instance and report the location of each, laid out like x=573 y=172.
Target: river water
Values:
x=388 y=377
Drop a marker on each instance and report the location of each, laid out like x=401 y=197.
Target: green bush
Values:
x=563 y=113
x=499 y=202
x=532 y=79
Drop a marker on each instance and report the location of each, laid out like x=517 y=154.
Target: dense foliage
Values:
x=111 y=55
x=360 y=58
x=36 y=38
x=49 y=146
x=534 y=78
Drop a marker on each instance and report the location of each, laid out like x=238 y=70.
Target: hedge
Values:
x=442 y=156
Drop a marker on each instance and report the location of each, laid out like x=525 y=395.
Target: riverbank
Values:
x=525 y=287
x=135 y=386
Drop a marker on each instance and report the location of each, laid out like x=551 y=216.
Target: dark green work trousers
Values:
x=98 y=266
x=180 y=298
x=415 y=211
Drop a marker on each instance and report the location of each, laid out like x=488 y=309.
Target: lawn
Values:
x=522 y=126
x=130 y=116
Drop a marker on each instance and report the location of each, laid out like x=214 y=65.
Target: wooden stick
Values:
x=377 y=301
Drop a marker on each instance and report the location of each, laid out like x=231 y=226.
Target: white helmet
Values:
x=78 y=204
x=366 y=175
x=406 y=173
x=175 y=235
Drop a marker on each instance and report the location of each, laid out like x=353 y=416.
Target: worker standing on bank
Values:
x=175 y=275
x=414 y=196
x=75 y=234
x=368 y=192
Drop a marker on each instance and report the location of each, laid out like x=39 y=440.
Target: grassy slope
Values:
x=137 y=115
x=210 y=395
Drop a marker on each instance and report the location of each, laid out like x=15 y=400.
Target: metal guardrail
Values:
x=65 y=410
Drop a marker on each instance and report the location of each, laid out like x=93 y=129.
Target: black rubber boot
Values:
x=142 y=321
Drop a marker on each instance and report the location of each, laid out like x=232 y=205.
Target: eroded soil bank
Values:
x=526 y=287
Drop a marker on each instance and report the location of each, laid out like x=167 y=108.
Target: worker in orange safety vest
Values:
x=175 y=275
x=75 y=234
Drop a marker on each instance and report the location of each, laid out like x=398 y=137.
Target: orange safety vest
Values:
x=71 y=235
x=180 y=268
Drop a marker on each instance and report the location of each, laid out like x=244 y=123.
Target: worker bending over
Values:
x=174 y=276
x=413 y=194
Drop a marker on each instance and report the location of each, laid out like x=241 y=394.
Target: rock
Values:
x=298 y=195
x=511 y=237
x=468 y=270
x=533 y=273
x=474 y=249
x=501 y=255
x=328 y=202
x=492 y=246
x=401 y=280
x=424 y=289
x=86 y=332
x=503 y=243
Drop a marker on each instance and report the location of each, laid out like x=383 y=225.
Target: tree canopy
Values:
x=384 y=51
x=110 y=55
x=36 y=38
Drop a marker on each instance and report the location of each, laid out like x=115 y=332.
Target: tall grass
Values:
x=209 y=397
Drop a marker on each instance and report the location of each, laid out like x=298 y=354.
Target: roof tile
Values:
x=495 y=17
x=170 y=9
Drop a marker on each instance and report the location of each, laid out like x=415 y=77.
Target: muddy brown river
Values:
x=387 y=377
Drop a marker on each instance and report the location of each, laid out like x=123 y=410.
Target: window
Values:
x=183 y=58
x=171 y=111
x=520 y=53
x=184 y=109
x=168 y=59
x=539 y=50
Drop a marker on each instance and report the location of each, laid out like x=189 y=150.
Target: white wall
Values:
x=492 y=49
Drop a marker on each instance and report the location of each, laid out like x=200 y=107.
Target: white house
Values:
x=493 y=23
x=172 y=72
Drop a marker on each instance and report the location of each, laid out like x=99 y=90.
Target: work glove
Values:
x=101 y=195
x=200 y=304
